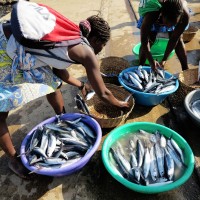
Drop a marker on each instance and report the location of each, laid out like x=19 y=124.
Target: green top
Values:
x=146 y=6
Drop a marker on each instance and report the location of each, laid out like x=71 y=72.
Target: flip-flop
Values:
x=24 y=174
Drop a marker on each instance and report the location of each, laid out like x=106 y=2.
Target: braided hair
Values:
x=172 y=9
x=98 y=28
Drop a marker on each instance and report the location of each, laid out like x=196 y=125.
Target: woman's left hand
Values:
x=162 y=63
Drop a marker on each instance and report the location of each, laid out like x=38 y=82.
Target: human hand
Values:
x=86 y=89
x=155 y=65
x=124 y=104
x=162 y=63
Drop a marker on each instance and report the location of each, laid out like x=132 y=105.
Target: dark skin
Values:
x=175 y=39
x=88 y=59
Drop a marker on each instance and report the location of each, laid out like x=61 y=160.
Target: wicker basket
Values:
x=189 y=34
x=109 y=116
x=188 y=81
x=112 y=65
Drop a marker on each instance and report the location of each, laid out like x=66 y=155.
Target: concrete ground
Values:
x=93 y=181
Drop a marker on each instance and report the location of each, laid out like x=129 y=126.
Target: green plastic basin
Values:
x=157 y=49
x=123 y=130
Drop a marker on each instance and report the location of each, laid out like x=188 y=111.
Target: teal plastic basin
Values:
x=157 y=50
x=123 y=130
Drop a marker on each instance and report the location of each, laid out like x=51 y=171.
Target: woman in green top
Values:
x=170 y=16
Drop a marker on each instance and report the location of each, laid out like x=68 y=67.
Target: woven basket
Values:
x=188 y=81
x=112 y=65
x=109 y=116
x=189 y=34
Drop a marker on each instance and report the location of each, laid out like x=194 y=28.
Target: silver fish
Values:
x=177 y=148
x=146 y=75
x=124 y=162
x=146 y=163
x=89 y=95
x=175 y=157
x=121 y=168
x=135 y=82
x=167 y=89
x=163 y=141
x=139 y=152
x=51 y=144
x=44 y=141
x=139 y=72
x=160 y=159
x=54 y=161
x=153 y=165
x=134 y=166
x=134 y=75
x=169 y=164
x=87 y=129
x=39 y=151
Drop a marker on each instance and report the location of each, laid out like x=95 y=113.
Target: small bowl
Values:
x=112 y=66
x=147 y=99
x=65 y=170
x=189 y=34
x=191 y=97
x=126 y=129
x=157 y=50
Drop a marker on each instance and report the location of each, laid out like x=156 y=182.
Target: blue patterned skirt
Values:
x=157 y=28
x=22 y=86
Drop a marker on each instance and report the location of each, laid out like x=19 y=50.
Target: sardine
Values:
x=146 y=163
x=134 y=167
x=153 y=165
x=175 y=157
x=178 y=149
x=89 y=95
x=51 y=144
x=135 y=82
x=139 y=152
x=160 y=159
x=121 y=168
x=169 y=164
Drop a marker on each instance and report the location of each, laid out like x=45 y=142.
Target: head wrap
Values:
x=85 y=27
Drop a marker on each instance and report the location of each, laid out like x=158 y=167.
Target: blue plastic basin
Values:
x=147 y=99
x=65 y=170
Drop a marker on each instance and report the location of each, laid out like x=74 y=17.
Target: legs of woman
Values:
x=6 y=144
x=181 y=53
x=56 y=101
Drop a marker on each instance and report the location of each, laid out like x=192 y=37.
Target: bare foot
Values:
x=15 y=164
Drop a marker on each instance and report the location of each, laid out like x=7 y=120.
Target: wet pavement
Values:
x=93 y=181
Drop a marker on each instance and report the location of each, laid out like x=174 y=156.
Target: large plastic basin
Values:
x=65 y=170
x=122 y=131
x=147 y=99
x=157 y=50
x=191 y=97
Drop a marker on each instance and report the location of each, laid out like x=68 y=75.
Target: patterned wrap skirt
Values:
x=20 y=86
x=157 y=28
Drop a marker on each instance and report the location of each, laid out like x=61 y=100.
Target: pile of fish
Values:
x=148 y=158
x=195 y=108
x=148 y=82
x=59 y=143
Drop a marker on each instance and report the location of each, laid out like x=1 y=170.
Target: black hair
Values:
x=172 y=9
x=99 y=29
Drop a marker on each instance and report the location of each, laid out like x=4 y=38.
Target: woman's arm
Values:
x=179 y=29
x=88 y=59
x=64 y=75
x=148 y=21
